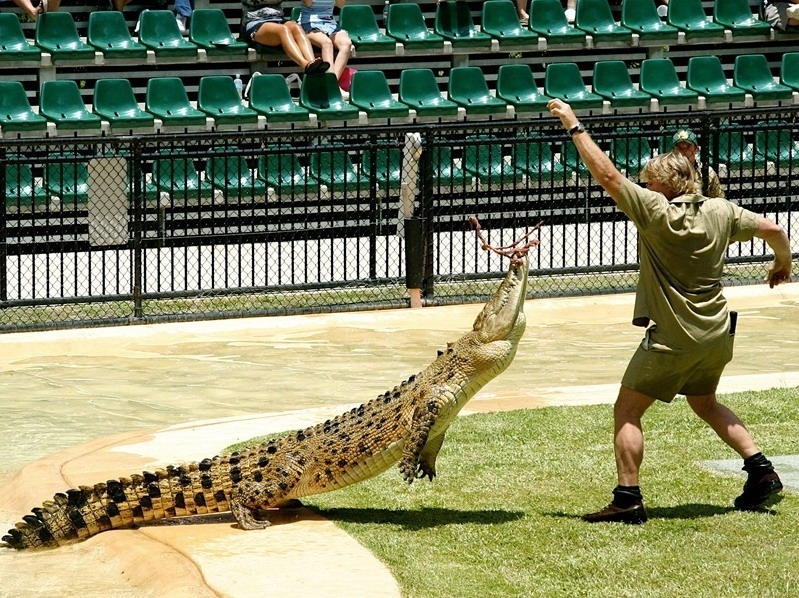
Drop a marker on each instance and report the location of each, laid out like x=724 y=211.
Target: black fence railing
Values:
x=109 y=230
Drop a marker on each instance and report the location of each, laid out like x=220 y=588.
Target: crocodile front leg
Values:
x=423 y=419
x=427 y=460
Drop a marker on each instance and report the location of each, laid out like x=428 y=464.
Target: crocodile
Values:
x=405 y=425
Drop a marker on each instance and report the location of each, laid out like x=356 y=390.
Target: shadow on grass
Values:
x=687 y=511
x=419 y=519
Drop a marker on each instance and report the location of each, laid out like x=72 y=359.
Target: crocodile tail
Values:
x=177 y=491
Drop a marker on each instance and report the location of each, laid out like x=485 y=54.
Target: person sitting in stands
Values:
x=263 y=22
x=316 y=18
x=183 y=10
x=34 y=11
x=783 y=16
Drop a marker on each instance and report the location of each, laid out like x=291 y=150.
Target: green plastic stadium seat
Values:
x=752 y=74
x=789 y=70
x=549 y=21
x=219 y=98
x=706 y=77
x=612 y=81
x=631 y=151
x=689 y=17
x=405 y=23
x=485 y=160
x=358 y=20
x=418 y=88
x=115 y=102
x=209 y=29
x=232 y=175
x=159 y=31
x=468 y=88
x=500 y=21
x=563 y=80
x=108 y=32
x=453 y=21
x=60 y=101
x=516 y=85
x=56 y=33
x=571 y=160
x=659 y=78
x=21 y=187
x=388 y=166
x=167 y=99
x=16 y=113
x=321 y=95
x=370 y=93
x=737 y=16
x=777 y=144
x=448 y=175
x=283 y=172
x=270 y=96
x=535 y=158
x=13 y=45
x=333 y=168
x=595 y=18
x=68 y=179
x=177 y=175
x=641 y=16
x=735 y=151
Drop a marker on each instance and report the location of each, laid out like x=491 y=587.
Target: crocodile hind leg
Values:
x=245 y=516
x=265 y=490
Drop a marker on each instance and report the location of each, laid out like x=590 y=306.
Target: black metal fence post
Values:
x=3 y=246
x=426 y=209
x=138 y=215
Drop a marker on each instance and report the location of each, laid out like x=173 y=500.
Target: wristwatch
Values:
x=578 y=128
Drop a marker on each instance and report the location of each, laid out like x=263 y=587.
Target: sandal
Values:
x=316 y=66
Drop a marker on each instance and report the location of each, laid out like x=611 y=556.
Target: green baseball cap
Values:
x=686 y=135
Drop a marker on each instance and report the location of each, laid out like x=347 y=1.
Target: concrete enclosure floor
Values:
x=84 y=406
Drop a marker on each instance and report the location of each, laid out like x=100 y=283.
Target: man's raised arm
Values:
x=601 y=167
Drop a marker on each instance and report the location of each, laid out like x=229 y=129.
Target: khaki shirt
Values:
x=682 y=246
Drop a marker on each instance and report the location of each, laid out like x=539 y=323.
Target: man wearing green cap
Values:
x=684 y=142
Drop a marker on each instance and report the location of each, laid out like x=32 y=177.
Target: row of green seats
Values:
x=108 y=33
x=467 y=89
x=331 y=170
x=405 y=23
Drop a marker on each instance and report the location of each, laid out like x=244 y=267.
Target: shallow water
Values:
x=61 y=389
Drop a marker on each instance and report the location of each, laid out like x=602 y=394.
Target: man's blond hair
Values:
x=673 y=170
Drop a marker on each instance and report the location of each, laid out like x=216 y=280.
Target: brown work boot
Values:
x=633 y=514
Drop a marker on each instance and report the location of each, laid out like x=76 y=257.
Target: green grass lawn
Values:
x=503 y=516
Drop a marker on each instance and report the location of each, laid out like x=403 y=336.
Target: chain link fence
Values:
x=100 y=231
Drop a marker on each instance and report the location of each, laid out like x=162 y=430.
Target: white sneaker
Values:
x=663 y=10
x=293 y=80
x=570 y=14
x=181 y=21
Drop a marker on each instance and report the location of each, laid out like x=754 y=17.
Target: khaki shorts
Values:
x=661 y=372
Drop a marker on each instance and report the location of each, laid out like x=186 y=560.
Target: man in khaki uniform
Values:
x=684 y=141
x=683 y=238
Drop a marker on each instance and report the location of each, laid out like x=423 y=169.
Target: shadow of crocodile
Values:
x=417 y=519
